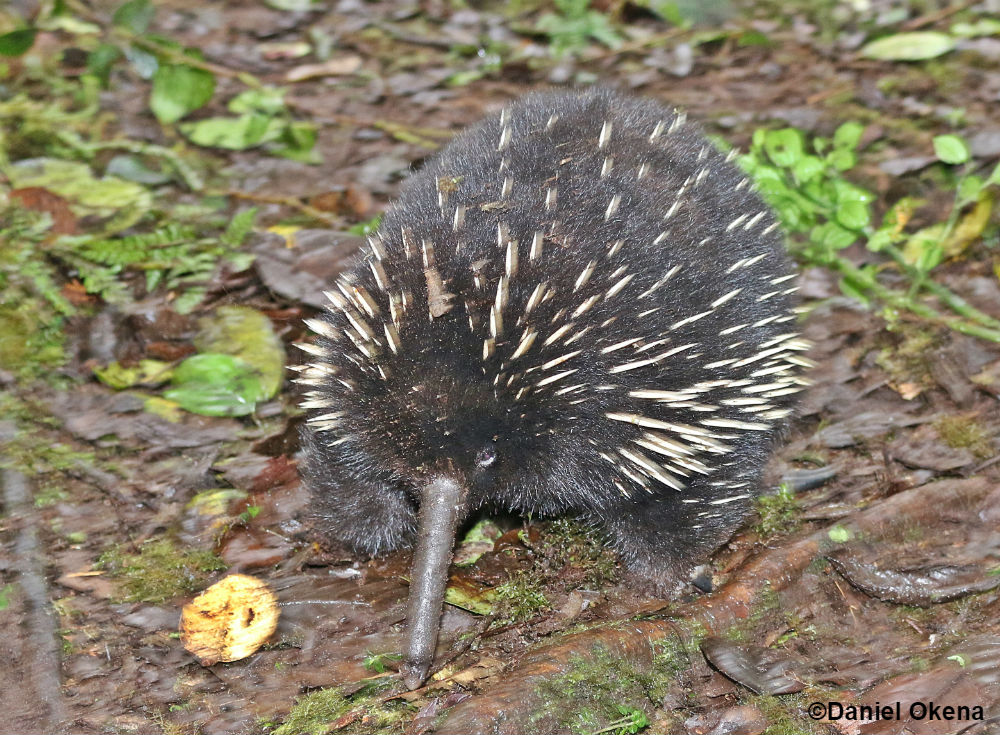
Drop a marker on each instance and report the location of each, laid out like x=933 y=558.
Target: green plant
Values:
x=603 y=692
x=159 y=570
x=575 y=24
x=520 y=598
x=632 y=721
x=825 y=213
x=180 y=80
x=777 y=512
x=173 y=256
x=377 y=661
x=314 y=712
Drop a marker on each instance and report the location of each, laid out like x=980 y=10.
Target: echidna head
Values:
x=447 y=420
x=436 y=413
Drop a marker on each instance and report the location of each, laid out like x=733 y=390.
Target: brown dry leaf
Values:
x=40 y=199
x=337 y=67
x=230 y=620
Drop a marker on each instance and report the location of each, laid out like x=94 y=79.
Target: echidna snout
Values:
x=577 y=307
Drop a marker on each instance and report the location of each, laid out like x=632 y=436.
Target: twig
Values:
x=39 y=616
x=926 y=20
x=400 y=35
x=637 y=45
x=290 y=202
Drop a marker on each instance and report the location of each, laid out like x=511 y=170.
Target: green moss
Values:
x=519 y=599
x=783 y=714
x=49 y=494
x=32 y=305
x=606 y=692
x=671 y=658
x=569 y=542
x=765 y=604
x=313 y=712
x=906 y=360
x=778 y=512
x=32 y=452
x=160 y=570
x=964 y=432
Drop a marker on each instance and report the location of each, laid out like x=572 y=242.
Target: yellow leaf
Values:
x=230 y=620
x=970 y=227
x=287 y=232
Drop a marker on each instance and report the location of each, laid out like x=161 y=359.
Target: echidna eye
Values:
x=486 y=457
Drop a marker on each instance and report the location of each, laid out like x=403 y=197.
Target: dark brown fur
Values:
x=588 y=443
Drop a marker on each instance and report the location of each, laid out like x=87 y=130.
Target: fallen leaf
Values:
x=909 y=46
x=230 y=620
x=338 y=67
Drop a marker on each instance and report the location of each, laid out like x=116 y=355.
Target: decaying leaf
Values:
x=230 y=620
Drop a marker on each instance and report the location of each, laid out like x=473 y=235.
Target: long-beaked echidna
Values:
x=577 y=307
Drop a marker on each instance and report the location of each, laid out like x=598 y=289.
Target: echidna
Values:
x=577 y=307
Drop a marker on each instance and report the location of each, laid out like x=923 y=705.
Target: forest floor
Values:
x=130 y=140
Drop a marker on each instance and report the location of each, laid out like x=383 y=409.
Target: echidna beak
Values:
x=442 y=507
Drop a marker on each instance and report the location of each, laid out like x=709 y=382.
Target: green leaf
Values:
x=915 y=46
x=783 y=147
x=215 y=502
x=249 y=335
x=5 y=596
x=299 y=140
x=808 y=168
x=366 y=228
x=145 y=372
x=233 y=133
x=951 y=149
x=994 y=178
x=144 y=63
x=216 y=385
x=982 y=27
x=16 y=43
x=853 y=215
x=842 y=159
x=108 y=197
x=969 y=188
x=832 y=236
x=101 y=59
x=267 y=100
x=187 y=301
x=239 y=227
x=131 y=168
x=839 y=534
x=478 y=541
x=178 y=90
x=848 y=135
x=294 y=6
x=670 y=12
x=600 y=29
x=848 y=192
x=924 y=249
x=879 y=240
x=473 y=598
x=136 y=15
